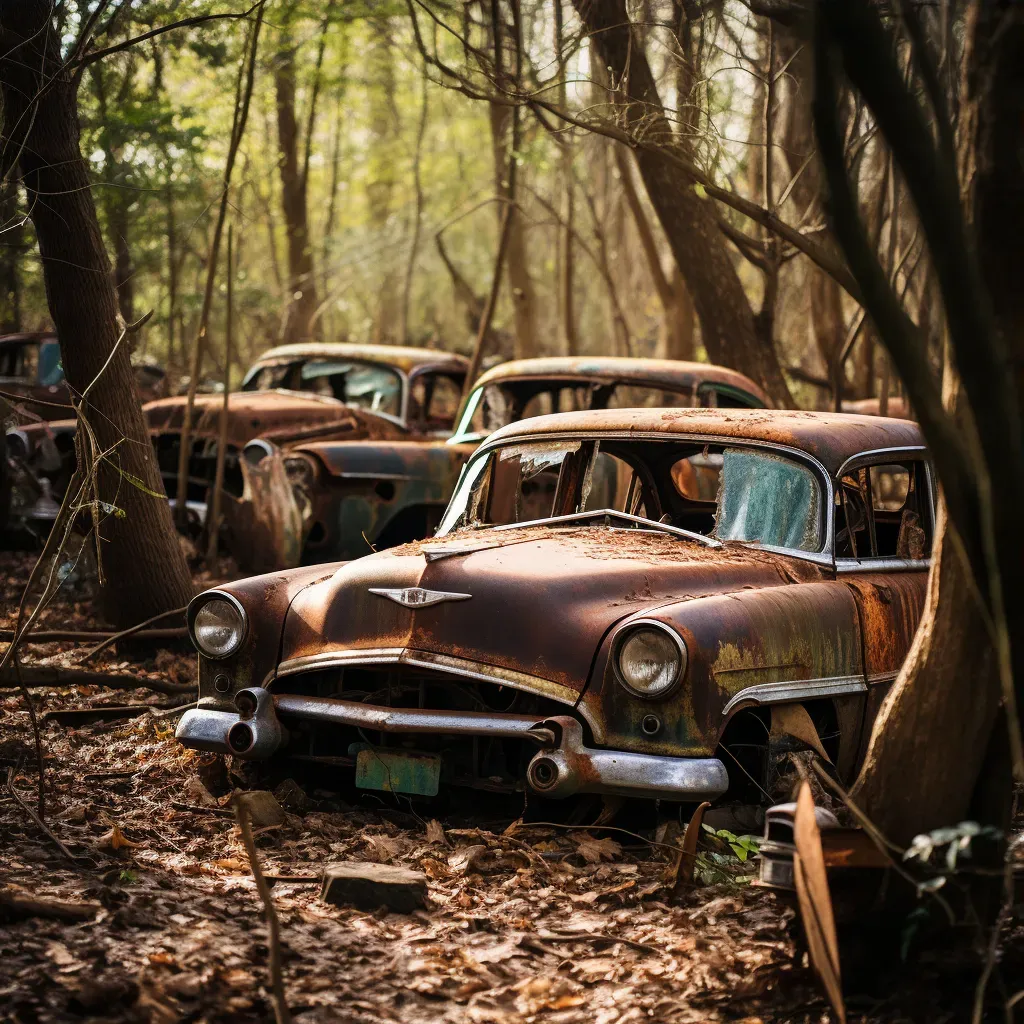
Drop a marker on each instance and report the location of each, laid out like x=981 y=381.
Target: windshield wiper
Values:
x=610 y=513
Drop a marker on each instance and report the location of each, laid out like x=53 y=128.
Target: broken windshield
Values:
x=729 y=493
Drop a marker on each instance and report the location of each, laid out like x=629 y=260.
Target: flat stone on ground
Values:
x=368 y=886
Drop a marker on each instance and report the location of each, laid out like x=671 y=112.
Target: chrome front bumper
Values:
x=562 y=767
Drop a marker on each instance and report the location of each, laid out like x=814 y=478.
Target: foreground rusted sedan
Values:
x=642 y=603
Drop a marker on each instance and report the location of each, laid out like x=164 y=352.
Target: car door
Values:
x=884 y=524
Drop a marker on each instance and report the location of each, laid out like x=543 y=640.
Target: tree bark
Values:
x=937 y=722
x=675 y=339
x=144 y=566
x=11 y=249
x=689 y=220
x=517 y=264
x=302 y=297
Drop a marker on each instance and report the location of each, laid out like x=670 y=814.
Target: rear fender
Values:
x=368 y=495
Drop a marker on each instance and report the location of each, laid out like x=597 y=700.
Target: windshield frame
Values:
x=403 y=377
x=823 y=556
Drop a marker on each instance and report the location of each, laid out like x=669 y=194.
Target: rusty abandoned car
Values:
x=625 y=603
x=353 y=497
x=292 y=393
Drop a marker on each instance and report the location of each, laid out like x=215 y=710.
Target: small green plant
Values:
x=128 y=877
x=727 y=859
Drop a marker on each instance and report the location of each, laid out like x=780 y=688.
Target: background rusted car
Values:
x=360 y=497
x=640 y=603
x=292 y=393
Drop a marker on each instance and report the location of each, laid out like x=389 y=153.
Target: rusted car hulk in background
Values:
x=641 y=603
x=291 y=394
x=357 y=497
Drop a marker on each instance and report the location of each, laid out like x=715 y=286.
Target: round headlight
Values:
x=650 y=661
x=218 y=628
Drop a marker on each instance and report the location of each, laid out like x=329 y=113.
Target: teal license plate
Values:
x=398 y=771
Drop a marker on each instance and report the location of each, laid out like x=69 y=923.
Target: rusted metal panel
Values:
x=739 y=642
x=406 y=358
x=531 y=591
x=831 y=438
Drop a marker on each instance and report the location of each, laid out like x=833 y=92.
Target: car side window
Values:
x=433 y=402
x=882 y=512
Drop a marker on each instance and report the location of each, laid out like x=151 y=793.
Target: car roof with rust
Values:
x=403 y=357
x=669 y=372
x=830 y=437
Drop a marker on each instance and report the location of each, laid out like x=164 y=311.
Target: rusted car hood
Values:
x=542 y=598
x=277 y=415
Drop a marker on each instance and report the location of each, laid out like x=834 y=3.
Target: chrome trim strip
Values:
x=876 y=678
x=797 y=690
x=651 y=525
x=878 y=456
x=848 y=565
x=405 y=720
x=443 y=663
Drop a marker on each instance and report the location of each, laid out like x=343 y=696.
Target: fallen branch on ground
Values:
x=49 y=636
x=15 y=907
x=281 y=1011
x=36 y=676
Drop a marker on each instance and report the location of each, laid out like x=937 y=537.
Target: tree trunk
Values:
x=517 y=266
x=11 y=249
x=937 y=722
x=144 y=566
x=302 y=297
x=675 y=339
x=690 y=222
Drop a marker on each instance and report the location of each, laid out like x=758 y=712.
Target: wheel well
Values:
x=751 y=755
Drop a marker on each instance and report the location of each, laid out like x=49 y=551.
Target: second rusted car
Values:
x=637 y=603
x=355 y=497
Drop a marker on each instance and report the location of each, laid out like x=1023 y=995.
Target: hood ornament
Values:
x=417 y=597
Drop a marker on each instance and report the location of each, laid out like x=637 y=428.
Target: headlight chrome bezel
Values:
x=202 y=602
x=629 y=630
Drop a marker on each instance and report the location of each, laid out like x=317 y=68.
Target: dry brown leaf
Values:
x=435 y=832
x=815 y=900
x=116 y=840
x=593 y=851
x=793 y=720
x=464 y=860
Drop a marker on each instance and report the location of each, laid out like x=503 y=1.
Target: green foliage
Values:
x=728 y=858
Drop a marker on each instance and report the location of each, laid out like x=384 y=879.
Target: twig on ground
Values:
x=39 y=821
x=610 y=940
x=138 y=628
x=15 y=907
x=281 y=1011
x=49 y=636
x=34 y=676
x=196 y=809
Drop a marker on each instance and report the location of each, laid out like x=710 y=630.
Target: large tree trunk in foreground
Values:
x=144 y=566
x=302 y=297
x=936 y=725
x=690 y=222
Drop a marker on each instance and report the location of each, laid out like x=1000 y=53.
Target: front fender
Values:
x=265 y=600
x=792 y=642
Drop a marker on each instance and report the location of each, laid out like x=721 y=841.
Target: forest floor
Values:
x=533 y=923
